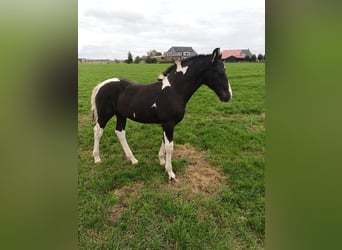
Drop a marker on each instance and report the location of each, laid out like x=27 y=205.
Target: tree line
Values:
x=152 y=56
x=253 y=58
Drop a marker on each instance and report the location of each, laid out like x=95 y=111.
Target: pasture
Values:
x=218 y=202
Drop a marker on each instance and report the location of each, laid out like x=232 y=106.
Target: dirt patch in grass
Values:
x=124 y=194
x=259 y=127
x=85 y=119
x=199 y=177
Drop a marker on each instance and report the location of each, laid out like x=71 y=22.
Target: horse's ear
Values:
x=216 y=54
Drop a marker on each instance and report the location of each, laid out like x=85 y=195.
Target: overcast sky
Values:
x=108 y=29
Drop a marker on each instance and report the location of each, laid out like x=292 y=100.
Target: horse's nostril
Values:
x=224 y=98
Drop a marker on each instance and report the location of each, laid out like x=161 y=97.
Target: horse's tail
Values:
x=93 y=103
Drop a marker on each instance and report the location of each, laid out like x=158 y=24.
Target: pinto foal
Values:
x=162 y=102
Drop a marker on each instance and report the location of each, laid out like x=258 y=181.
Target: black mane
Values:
x=184 y=62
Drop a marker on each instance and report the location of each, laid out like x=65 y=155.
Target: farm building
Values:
x=236 y=55
x=179 y=53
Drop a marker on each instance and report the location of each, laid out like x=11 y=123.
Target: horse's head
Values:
x=216 y=78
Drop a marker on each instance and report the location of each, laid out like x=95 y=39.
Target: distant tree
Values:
x=253 y=58
x=151 y=60
x=264 y=57
x=137 y=59
x=247 y=58
x=153 y=53
x=260 y=57
x=130 y=57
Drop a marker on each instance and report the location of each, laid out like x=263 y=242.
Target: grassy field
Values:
x=218 y=202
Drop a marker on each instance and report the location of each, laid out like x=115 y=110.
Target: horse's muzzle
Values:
x=224 y=98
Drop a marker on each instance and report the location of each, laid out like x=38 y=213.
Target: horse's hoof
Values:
x=134 y=161
x=162 y=162
x=97 y=160
x=173 y=178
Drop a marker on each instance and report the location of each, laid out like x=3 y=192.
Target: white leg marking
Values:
x=230 y=90
x=134 y=115
x=180 y=68
x=122 y=138
x=169 y=151
x=165 y=82
x=161 y=154
x=98 y=131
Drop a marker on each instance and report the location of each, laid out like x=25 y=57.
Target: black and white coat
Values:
x=162 y=102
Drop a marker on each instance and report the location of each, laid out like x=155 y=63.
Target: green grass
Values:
x=134 y=207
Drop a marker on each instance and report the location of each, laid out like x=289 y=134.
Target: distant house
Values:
x=179 y=53
x=236 y=55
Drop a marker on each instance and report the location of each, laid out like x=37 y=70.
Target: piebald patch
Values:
x=94 y=93
x=180 y=68
x=165 y=82
x=111 y=80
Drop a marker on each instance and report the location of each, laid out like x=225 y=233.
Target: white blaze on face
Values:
x=154 y=105
x=230 y=90
x=165 y=82
x=180 y=68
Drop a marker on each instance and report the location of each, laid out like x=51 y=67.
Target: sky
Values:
x=108 y=29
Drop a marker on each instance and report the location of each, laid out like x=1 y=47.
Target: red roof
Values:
x=234 y=52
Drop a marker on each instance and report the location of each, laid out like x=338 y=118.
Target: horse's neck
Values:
x=189 y=88
x=189 y=84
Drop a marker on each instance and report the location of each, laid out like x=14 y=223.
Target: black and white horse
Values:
x=162 y=102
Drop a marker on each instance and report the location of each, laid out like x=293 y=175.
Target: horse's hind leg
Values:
x=121 y=134
x=98 y=131
x=162 y=153
x=102 y=120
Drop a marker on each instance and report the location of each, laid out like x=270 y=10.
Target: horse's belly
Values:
x=142 y=114
x=150 y=109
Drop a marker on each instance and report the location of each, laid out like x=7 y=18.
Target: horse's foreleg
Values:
x=128 y=152
x=121 y=133
x=168 y=141
x=161 y=153
x=169 y=152
x=98 y=131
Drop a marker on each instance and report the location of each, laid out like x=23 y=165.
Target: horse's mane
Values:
x=185 y=61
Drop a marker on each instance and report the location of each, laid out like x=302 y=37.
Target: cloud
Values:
x=108 y=30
